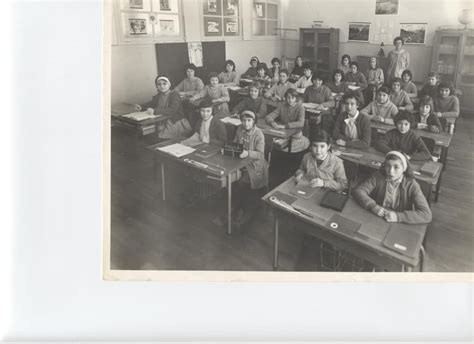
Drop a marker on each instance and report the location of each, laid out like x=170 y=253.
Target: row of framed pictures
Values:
x=412 y=33
x=166 y=6
x=146 y=26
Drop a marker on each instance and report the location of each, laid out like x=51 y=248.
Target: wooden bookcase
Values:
x=453 y=60
x=319 y=46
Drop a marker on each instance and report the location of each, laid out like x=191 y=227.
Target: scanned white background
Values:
x=54 y=288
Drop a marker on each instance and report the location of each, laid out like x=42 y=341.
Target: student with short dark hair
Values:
x=277 y=92
x=431 y=86
x=399 y=97
x=407 y=85
x=274 y=72
x=218 y=95
x=393 y=193
x=319 y=94
x=208 y=129
x=403 y=139
x=167 y=102
x=381 y=109
x=229 y=76
x=425 y=117
x=321 y=167
x=306 y=80
x=298 y=69
x=191 y=84
x=355 y=77
x=446 y=105
x=254 y=102
x=251 y=72
x=345 y=65
x=352 y=128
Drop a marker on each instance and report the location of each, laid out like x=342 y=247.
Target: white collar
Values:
x=349 y=118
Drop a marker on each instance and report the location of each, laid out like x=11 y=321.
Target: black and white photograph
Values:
x=386 y=6
x=413 y=33
x=351 y=161
x=231 y=7
x=137 y=26
x=359 y=32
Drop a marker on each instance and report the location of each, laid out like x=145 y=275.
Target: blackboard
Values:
x=171 y=58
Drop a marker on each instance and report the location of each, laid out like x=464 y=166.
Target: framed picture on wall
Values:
x=167 y=25
x=136 y=25
x=212 y=7
x=165 y=5
x=135 y=5
x=359 y=32
x=259 y=9
x=231 y=27
x=386 y=6
x=212 y=26
x=413 y=33
x=231 y=7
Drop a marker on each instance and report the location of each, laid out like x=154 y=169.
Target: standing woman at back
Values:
x=398 y=60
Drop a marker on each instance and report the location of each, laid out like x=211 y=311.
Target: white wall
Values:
x=337 y=14
x=134 y=66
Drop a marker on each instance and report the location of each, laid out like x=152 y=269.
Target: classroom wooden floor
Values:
x=149 y=234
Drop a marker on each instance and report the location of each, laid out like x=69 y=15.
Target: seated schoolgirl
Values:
x=254 y=102
x=277 y=92
x=167 y=103
x=431 y=86
x=399 y=97
x=298 y=69
x=290 y=114
x=381 y=109
x=393 y=193
x=375 y=75
x=446 y=105
x=229 y=75
x=352 y=129
x=218 y=95
x=355 y=77
x=321 y=167
x=274 y=72
x=403 y=139
x=262 y=74
x=425 y=117
x=209 y=129
x=319 y=93
x=306 y=80
x=247 y=190
x=407 y=85
x=345 y=65
x=337 y=83
x=191 y=84
x=252 y=71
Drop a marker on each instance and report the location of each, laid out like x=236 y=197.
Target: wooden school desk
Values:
x=367 y=157
x=142 y=128
x=221 y=168
x=366 y=243
x=441 y=140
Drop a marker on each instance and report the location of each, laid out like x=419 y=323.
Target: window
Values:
x=221 y=18
x=265 y=18
x=149 y=20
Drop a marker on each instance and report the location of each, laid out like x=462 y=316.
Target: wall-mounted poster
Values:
x=195 y=53
x=413 y=33
x=167 y=25
x=137 y=27
x=386 y=6
x=212 y=26
x=212 y=7
x=231 y=7
x=136 y=4
x=165 y=5
x=231 y=27
x=259 y=10
x=359 y=32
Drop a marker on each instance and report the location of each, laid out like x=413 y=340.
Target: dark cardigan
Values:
x=409 y=143
x=173 y=106
x=364 y=130
x=217 y=131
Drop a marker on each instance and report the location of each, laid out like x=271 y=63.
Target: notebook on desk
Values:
x=402 y=240
x=206 y=150
x=336 y=200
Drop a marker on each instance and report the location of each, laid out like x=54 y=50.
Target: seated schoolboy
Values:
x=425 y=117
x=252 y=71
x=229 y=75
x=209 y=129
x=167 y=103
x=355 y=77
x=446 y=105
x=381 y=109
x=399 y=97
x=290 y=114
x=319 y=94
x=247 y=190
x=403 y=139
x=277 y=92
x=254 y=102
x=274 y=72
x=431 y=86
x=262 y=75
x=393 y=193
x=306 y=80
x=217 y=93
x=191 y=84
x=321 y=167
x=352 y=129
x=407 y=85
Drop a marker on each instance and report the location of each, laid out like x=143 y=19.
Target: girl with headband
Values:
x=167 y=103
x=393 y=193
